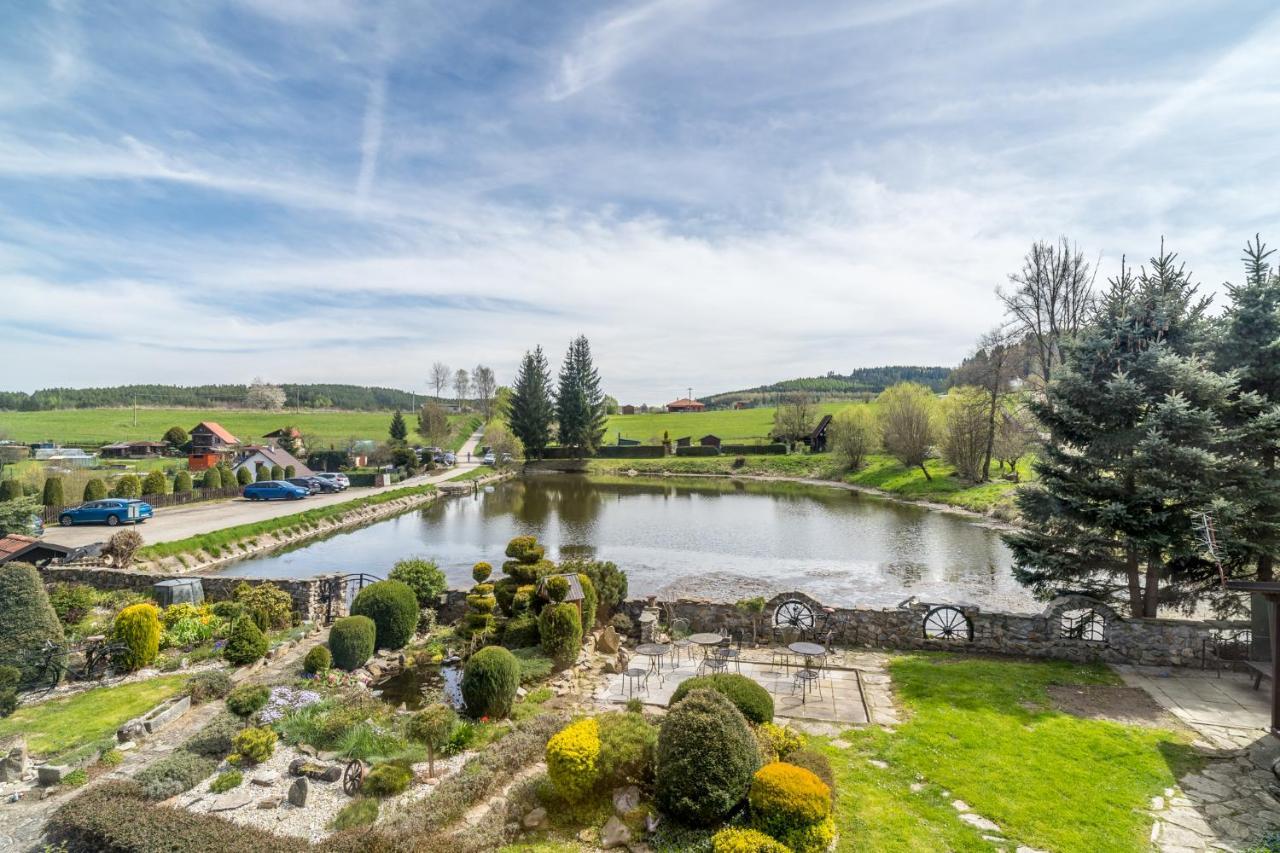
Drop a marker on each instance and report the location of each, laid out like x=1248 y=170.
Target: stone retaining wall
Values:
x=1076 y=628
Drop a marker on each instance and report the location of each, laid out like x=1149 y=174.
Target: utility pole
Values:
x=135 y=409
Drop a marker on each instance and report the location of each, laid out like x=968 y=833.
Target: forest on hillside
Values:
x=348 y=397
x=858 y=382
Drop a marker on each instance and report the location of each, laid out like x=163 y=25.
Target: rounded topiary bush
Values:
x=352 y=641
x=705 y=758
x=154 y=483
x=27 y=618
x=245 y=643
x=750 y=698
x=480 y=572
x=573 y=755
x=248 y=699
x=490 y=680
x=128 y=486
x=557 y=588
x=817 y=764
x=733 y=839
x=793 y=805
x=387 y=780
x=277 y=472
x=255 y=745
x=212 y=479
x=526 y=564
x=504 y=591
x=138 y=628
x=317 y=660
x=423 y=577
x=589 y=602
x=627 y=745
x=560 y=630
x=53 y=492
x=95 y=490
x=393 y=607
x=182 y=482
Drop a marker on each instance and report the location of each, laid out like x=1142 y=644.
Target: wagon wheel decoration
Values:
x=793 y=613
x=948 y=623
x=353 y=777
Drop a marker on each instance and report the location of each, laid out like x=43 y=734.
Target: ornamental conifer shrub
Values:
x=423 y=577
x=393 y=607
x=560 y=629
x=705 y=759
x=573 y=756
x=95 y=490
x=747 y=696
x=212 y=479
x=277 y=472
x=10 y=489
x=138 y=628
x=245 y=643
x=182 y=482
x=793 y=805
x=53 y=492
x=317 y=660
x=244 y=477
x=154 y=483
x=490 y=680
x=128 y=486
x=27 y=619
x=352 y=641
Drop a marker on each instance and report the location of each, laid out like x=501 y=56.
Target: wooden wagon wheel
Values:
x=353 y=777
x=793 y=613
x=948 y=623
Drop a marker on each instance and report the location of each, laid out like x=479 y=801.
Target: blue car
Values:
x=110 y=511
x=271 y=490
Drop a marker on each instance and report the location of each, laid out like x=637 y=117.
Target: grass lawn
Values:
x=62 y=727
x=985 y=731
x=95 y=427
x=473 y=474
x=736 y=426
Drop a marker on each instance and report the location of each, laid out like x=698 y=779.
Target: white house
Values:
x=255 y=455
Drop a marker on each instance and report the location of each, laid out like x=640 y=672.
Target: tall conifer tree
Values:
x=398 y=431
x=530 y=410
x=580 y=402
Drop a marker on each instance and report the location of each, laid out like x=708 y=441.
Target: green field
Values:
x=96 y=427
x=742 y=426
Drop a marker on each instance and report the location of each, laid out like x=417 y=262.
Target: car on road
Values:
x=313 y=484
x=338 y=479
x=273 y=490
x=489 y=459
x=109 y=511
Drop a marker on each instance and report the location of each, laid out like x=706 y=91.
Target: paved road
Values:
x=179 y=522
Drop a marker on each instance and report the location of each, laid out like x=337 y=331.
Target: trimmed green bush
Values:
x=248 y=699
x=817 y=764
x=10 y=678
x=560 y=630
x=53 y=492
x=128 y=486
x=138 y=627
x=94 y=490
x=254 y=745
x=423 y=577
x=557 y=587
x=226 y=781
x=733 y=839
x=705 y=758
x=269 y=605
x=352 y=641
x=182 y=482
x=793 y=805
x=290 y=472
x=212 y=479
x=244 y=476
x=573 y=756
x=526 y=564
x=277 y=472
x=26 y=619
x=174 y=773
x=10 y=489
x=214 y=740
x=393 y=607
x=627 y=747
x=154 y=483
x=317 y=660
x=490 y=680
x=431 y=727
x=750 y=698
x=589 y=602
x=387 y=780
x=209 y=685
x=520 y=631
x=245 y=642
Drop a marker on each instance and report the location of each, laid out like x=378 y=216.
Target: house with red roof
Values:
x=211 y=443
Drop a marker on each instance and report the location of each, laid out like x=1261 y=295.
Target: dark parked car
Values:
x=272 y=490
x=338 y=479
x=313 y=484
x=110 y=511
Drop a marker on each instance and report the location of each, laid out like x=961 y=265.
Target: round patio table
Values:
x=654 y=652
x=807 y=650
x=706 y=640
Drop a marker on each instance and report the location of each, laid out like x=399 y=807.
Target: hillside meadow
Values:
x=741 y=426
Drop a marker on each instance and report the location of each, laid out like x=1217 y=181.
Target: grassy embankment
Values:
x=986 y=732
x=70 y=727
x=245 y=535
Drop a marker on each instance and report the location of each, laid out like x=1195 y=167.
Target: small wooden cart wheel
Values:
x=353 y=777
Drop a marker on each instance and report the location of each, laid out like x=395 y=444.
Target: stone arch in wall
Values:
x=1081 y=618
x=785 y=605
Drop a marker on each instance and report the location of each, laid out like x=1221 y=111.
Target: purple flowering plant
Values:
x=285 y=700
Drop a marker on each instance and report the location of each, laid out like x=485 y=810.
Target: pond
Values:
x=715 y=538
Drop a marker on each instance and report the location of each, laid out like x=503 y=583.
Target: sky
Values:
x=718 y=194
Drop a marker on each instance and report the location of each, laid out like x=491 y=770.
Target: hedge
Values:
x=747 y=696
x=27 y=618
x=698 y=450
x=633 y=451
x=777 y=449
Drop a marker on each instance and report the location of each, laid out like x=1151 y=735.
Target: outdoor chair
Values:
x=635 y=680
x=730 y=650
x=809 y=677
x=1226 y=648
x=678 y=638
x=779 y=654
x=713 y=660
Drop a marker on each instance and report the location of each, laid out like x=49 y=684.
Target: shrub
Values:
x=609 y=581
x=779 y=741
x=526 y=564
x=572 y=759
x=634 y=706
x=122 y=546
x=393 y=607
x=520 y=631
x=362 y=811
x=72 y=601
x=480 y=572
x=212 y=479
x=290 y=472
x=733 y=839
x=128 y=486
x=174 y=773
x=208 y=685
x=277 y=472
x=53 y=492
x=245 y=643
x=248 y=699
x=557 y=587
x=705 y=758
x=154 y=483
x=182 y=482
x=10 y=489
x=269 y=605
x=10 y=677
x=387 y=780
x=560 y=629
x=214 y=740
x=227 y=611
x=622 y=623
x=26 y=619
x=750 y=698
x=317 y=660
x=627 y=744
x=817 y=764
x=244 y=476
x=534 y=665
x=94 y=490
x=793 y=805
x=226 y=781
x=351 y=640
x=75 y=778
x=589 y=601
x=504 y=591
x=138 y=627
x=111 y=758
x=423 y=577
x=254 y=745
x=431 y=727
x=490 y=680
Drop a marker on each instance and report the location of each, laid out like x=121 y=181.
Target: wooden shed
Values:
x=709 y=440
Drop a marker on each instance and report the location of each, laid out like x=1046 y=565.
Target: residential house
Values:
x=709 y=441
x=292 y=433
x=255 y=454
x=211 y=443
x=628 y=409
x=684 y=404
x=133 y=449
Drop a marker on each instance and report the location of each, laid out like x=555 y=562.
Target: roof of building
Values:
x=291 y=432
x=218 y=430
x=14 y=544
x=124 y=445
x=575 y=587
x=686 y=403
x=275 y=456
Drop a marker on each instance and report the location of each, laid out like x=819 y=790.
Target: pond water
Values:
x=714 y=538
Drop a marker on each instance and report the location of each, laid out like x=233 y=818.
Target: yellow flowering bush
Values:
x=183 y=610
x=573 y=756
x=793 y=805
x=731 y=839
x=778 y=741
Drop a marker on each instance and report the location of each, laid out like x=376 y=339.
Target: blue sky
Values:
x=717 y=193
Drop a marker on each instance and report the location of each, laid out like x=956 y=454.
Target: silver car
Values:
x=338 y=479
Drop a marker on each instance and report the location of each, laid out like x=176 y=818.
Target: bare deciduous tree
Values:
x=433 y=424
x=793 y=420
x=907 y=423
x=965 y=431
x=484 y=383
x=1050 y=299
x=461 y=386
x=1014 y=437
x=854 y=435
x=440 y=375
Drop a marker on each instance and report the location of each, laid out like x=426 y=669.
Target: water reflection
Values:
x=717 y=538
